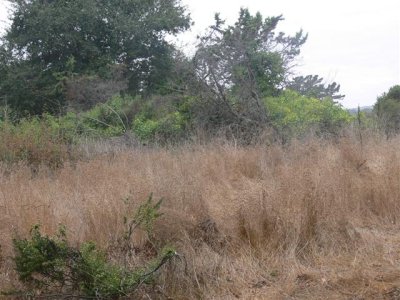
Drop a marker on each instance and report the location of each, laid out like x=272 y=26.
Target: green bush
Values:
x=42 y=255
x=294 y=115
x=45 y=139
x=173 y=125
x=110 y=118
x=387 y=109
x=50 y=264
x=168 y=128
x=145 y=129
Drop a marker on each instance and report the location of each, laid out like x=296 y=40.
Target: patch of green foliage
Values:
x=50 y=264
x=49 y=139
x=169 y=127
x=148 y=120
x=169 y=120
x=144 y=217
x=294 y=115
x=145 y=128
x=47 y=41
x=107 y=119
x=387 y=109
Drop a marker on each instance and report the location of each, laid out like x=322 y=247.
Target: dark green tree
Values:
x=51 y=39
x=30 y=89
x=242 y=63
x=314 y=86
x=387 y=109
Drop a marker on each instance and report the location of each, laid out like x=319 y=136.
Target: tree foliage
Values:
x=241 y=63
x=314 y=86
x=387 y=108
x=84 y=52
x=49 y=40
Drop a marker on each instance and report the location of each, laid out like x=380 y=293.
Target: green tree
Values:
x=51 y=39
x=314 y=86
x=387 y=109
x=240 y=64
x=30 y=89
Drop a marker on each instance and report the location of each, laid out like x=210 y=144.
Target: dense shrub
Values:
x=107 y=119
x=49 y=140
x=145 y=128
x=387 y=109
x=294 y=115
x=156 y=118
x=168 y=128
x=163 y=118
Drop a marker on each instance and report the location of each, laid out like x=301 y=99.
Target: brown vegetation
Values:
x=33 y=147
x=313 y=220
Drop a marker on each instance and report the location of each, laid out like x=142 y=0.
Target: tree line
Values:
x=60 y=56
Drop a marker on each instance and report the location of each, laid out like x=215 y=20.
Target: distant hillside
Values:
x=368 y=109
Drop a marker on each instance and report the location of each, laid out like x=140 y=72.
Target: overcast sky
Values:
x=355 y=43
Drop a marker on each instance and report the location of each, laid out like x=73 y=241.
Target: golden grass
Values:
x=314 y=220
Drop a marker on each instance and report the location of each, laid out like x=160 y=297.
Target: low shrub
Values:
x=107 y=119
x=293 y=115
x=49 y=264
x=168 y=128
x=145 y=129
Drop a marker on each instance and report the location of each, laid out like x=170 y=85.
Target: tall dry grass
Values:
x=312 y=220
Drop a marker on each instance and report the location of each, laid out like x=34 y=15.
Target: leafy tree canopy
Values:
x=86 y=36
x=387 y=109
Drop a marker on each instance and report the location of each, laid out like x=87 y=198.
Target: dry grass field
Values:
x=313 y=220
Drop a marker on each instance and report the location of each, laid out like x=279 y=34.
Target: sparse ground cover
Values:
x=314 y=220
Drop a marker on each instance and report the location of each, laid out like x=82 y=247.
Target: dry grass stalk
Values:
x=314 y=220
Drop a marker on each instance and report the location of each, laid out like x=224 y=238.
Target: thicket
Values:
x=54 y=62
x=77 y=70
x=238 y=83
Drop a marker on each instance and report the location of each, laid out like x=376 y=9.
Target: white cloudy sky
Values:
x=353 y=42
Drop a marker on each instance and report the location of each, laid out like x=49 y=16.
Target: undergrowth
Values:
x=49 y=265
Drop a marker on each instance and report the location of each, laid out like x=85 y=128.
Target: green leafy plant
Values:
x=167 y=128
x=50 y=264
x=293 y=115
x=145 y=129
x=42 y=260
x=108 y=119
x=144 y=217
x=387 y=109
